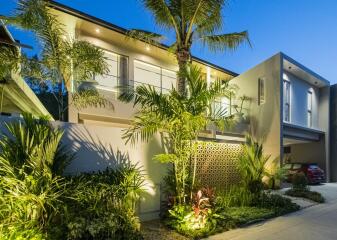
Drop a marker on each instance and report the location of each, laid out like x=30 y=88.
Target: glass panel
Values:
x=261 y=90
x=169 y=79
x=117 y=70
x=286 y=101
x=287 y=166
x=309 y=119
x=309 y=100
x=297 y=166
x=146 y=74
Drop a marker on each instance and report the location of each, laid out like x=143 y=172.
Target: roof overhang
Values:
x=15 y=94
x=293 y=133
x=303 y=73
x=88 y=21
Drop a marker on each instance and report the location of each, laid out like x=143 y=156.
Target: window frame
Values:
x=261 y=91
x=309 y=109
x=286 y=100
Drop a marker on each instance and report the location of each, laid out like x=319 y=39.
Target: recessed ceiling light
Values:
x=147 y=48
x=289 y=67
x=315 y=82
x=64 y=37
x=97 y=30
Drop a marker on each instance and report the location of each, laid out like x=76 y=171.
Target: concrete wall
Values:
x=265 y=118
x=299 y=101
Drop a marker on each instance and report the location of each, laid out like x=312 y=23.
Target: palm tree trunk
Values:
x=183 y=57
x=60 y=101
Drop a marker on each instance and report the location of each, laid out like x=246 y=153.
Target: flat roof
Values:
x=76 y=13
x=304 y=73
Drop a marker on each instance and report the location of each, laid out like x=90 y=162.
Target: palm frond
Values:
x=164 y=12
x=87 y=60
x=90 y=98
x=145 y=36
x=224 y=42
x=144 y=126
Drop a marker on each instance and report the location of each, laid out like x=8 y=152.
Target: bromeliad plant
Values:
x=61 y=58
x=179 y=118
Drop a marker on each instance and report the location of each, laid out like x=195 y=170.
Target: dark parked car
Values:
x=313 y=173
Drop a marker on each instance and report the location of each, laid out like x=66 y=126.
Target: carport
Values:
x=304 y=145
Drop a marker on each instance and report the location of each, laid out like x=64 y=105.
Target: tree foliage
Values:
x=62 y=59
x=179 y=118
x=191 y=21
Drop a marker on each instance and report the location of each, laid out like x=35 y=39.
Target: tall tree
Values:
x=191 y=21
x=180 y=118
x=61 y=58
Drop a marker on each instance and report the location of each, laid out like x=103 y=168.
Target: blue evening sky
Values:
x=306 y=30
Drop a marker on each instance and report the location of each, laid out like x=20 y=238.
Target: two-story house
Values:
x=289 y=103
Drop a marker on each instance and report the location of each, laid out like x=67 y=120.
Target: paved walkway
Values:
x=318 y=222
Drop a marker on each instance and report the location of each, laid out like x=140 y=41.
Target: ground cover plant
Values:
x=37 y=202
x=301 y=189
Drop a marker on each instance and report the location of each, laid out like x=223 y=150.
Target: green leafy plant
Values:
x=279 y=204
x=102 y=205
x=236 y=196
x=252 y=164
x=300 y=188
x=191 y=21
x=62 y=58
x=300 y=182
x=311 y=195
x=31 y=160
x=179 y=119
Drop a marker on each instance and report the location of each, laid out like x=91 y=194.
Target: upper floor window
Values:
x=162 y=79
x=286 y=101
x=261 y=91
x=117 y=74
x=309 y=108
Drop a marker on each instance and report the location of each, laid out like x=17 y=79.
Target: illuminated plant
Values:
x=179 y=119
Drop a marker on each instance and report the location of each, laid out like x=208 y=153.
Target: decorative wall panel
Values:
x=217 y=164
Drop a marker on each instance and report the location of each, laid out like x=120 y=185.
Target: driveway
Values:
x=318 y=222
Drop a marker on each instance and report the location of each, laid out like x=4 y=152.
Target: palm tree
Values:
x=61 y=58
x=180 y=118
x=191 y=21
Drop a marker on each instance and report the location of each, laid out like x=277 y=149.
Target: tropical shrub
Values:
x=236 y=196
x=102 y=205
x=300 y=182
x=279 y=204
x=252 y=165
x=311 y=195
x=31 y=158
x=300 y=188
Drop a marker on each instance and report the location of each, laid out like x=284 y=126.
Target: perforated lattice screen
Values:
x=217 y=164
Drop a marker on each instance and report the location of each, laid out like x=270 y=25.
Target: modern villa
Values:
x=108 y=133
x=289 y=102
